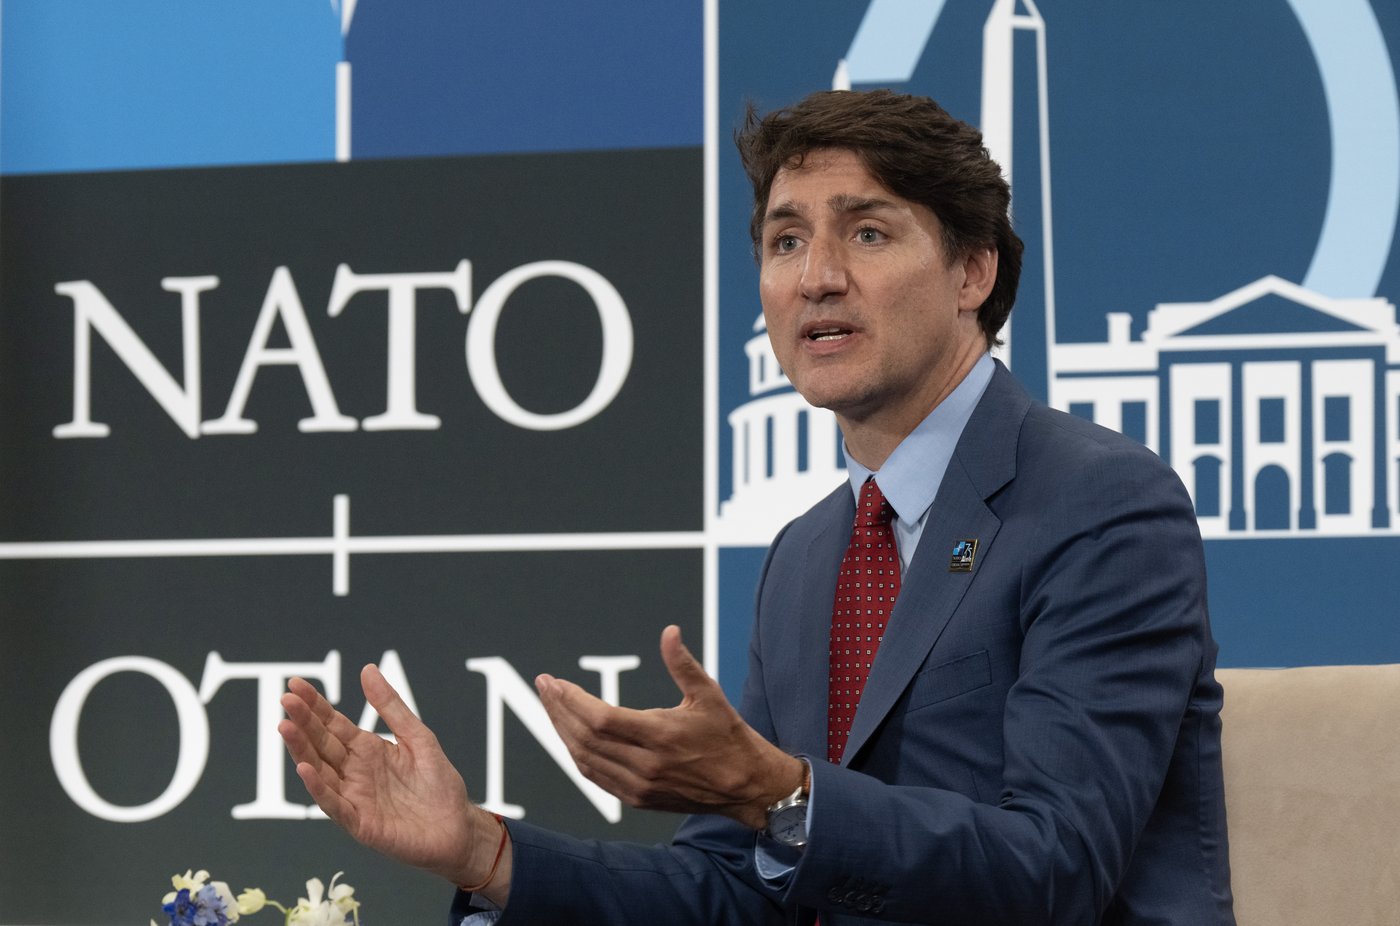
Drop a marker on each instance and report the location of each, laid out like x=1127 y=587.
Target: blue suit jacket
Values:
x=1039 y=740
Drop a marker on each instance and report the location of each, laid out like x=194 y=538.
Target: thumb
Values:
x=690 y=677
x=386 y=702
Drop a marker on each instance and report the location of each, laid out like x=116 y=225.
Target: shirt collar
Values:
x=913 y=472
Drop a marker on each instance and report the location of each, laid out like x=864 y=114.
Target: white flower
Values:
x=194 y=880
x=251 y=901
x=343 y=896
x=319 y=908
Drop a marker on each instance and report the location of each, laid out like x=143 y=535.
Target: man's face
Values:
x=865 y=313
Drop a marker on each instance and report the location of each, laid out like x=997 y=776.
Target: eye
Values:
x=868 y=235
x=784 y=243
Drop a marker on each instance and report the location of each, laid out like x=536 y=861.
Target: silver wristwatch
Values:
x=787 y=819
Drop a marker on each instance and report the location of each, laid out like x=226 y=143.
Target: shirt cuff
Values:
x=473 y=910
x=773 y=860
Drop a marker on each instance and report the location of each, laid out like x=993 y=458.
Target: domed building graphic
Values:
x=786 y=454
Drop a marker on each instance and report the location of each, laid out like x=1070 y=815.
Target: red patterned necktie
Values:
x=865 y=593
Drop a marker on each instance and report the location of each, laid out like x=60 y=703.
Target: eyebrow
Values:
x=846 y=203
x=841 y=203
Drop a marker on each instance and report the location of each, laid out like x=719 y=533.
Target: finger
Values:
x=292 y=729
x=594 y=733
x=401 y=721
x=313 y=742
x=623 y=783
x=690 y=677
x=336 y=724
x=329 y=731
x=591 y=716
x=669 y=769
x=575 y=713
x=618 y=766
x=326 y=797
x=302 y=753
x=303 y=700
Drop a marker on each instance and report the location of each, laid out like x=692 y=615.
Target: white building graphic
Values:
x=1279 y=407
x=786 y=454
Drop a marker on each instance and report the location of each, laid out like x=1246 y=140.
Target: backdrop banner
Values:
x=428 y=334
x=443 y=414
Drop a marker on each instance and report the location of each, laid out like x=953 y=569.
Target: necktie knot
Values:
x=873 y=509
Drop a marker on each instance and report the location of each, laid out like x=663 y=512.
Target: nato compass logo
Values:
x=1275 y=397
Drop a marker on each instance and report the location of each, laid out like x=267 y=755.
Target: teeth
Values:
x=827 y=334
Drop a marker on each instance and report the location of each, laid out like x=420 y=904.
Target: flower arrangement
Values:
x=197 y=901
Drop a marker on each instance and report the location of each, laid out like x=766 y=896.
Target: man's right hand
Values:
x=403 y=799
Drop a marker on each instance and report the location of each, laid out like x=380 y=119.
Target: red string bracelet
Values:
x=500 y=850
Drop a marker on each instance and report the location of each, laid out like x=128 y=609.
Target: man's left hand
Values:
x=696 y=757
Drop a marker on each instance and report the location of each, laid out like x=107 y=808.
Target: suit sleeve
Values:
x=1113 y=635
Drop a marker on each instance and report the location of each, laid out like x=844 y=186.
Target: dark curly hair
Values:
x=917 y=151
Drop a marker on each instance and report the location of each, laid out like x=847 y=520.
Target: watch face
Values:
x=788 y=825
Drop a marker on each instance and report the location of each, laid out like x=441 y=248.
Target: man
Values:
x=1012 y=720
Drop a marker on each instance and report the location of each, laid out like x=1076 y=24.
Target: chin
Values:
x=822 y=387
x=843 y=404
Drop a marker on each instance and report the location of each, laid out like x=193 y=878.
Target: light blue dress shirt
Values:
x=913 y=472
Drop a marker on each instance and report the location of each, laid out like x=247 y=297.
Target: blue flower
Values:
x=181 y=910
x=210 y=909
x=205 y=908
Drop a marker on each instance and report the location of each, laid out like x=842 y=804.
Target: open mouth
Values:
x=827 y=333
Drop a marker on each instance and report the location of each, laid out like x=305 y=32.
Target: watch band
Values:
x=800 y=793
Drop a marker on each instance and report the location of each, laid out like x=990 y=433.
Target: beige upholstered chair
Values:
x=1312 y=790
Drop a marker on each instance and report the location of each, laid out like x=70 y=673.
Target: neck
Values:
x=872 y=436
x=868 y=446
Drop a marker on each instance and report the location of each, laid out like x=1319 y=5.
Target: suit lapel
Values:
x=823 y=558
x=984 y=461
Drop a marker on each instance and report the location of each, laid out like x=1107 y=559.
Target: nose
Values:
x=824 y=270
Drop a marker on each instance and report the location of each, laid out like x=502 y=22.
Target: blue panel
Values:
x=1030 y=334
x=1271 y=426
x=158 y=83
x=1122 y=95
x=802 y=438
x=1207 y=421
x=1207 y=472
x=1083 y=410
x=1324 y=601
x=446 y=77
x=1336 y=468
x=739 y=569
x=1336 y=418
x=768 y=446
x=1171 y=184
x=1135 y=421
x=1271 y=499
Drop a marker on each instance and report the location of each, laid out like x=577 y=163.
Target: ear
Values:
x=979 y=276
